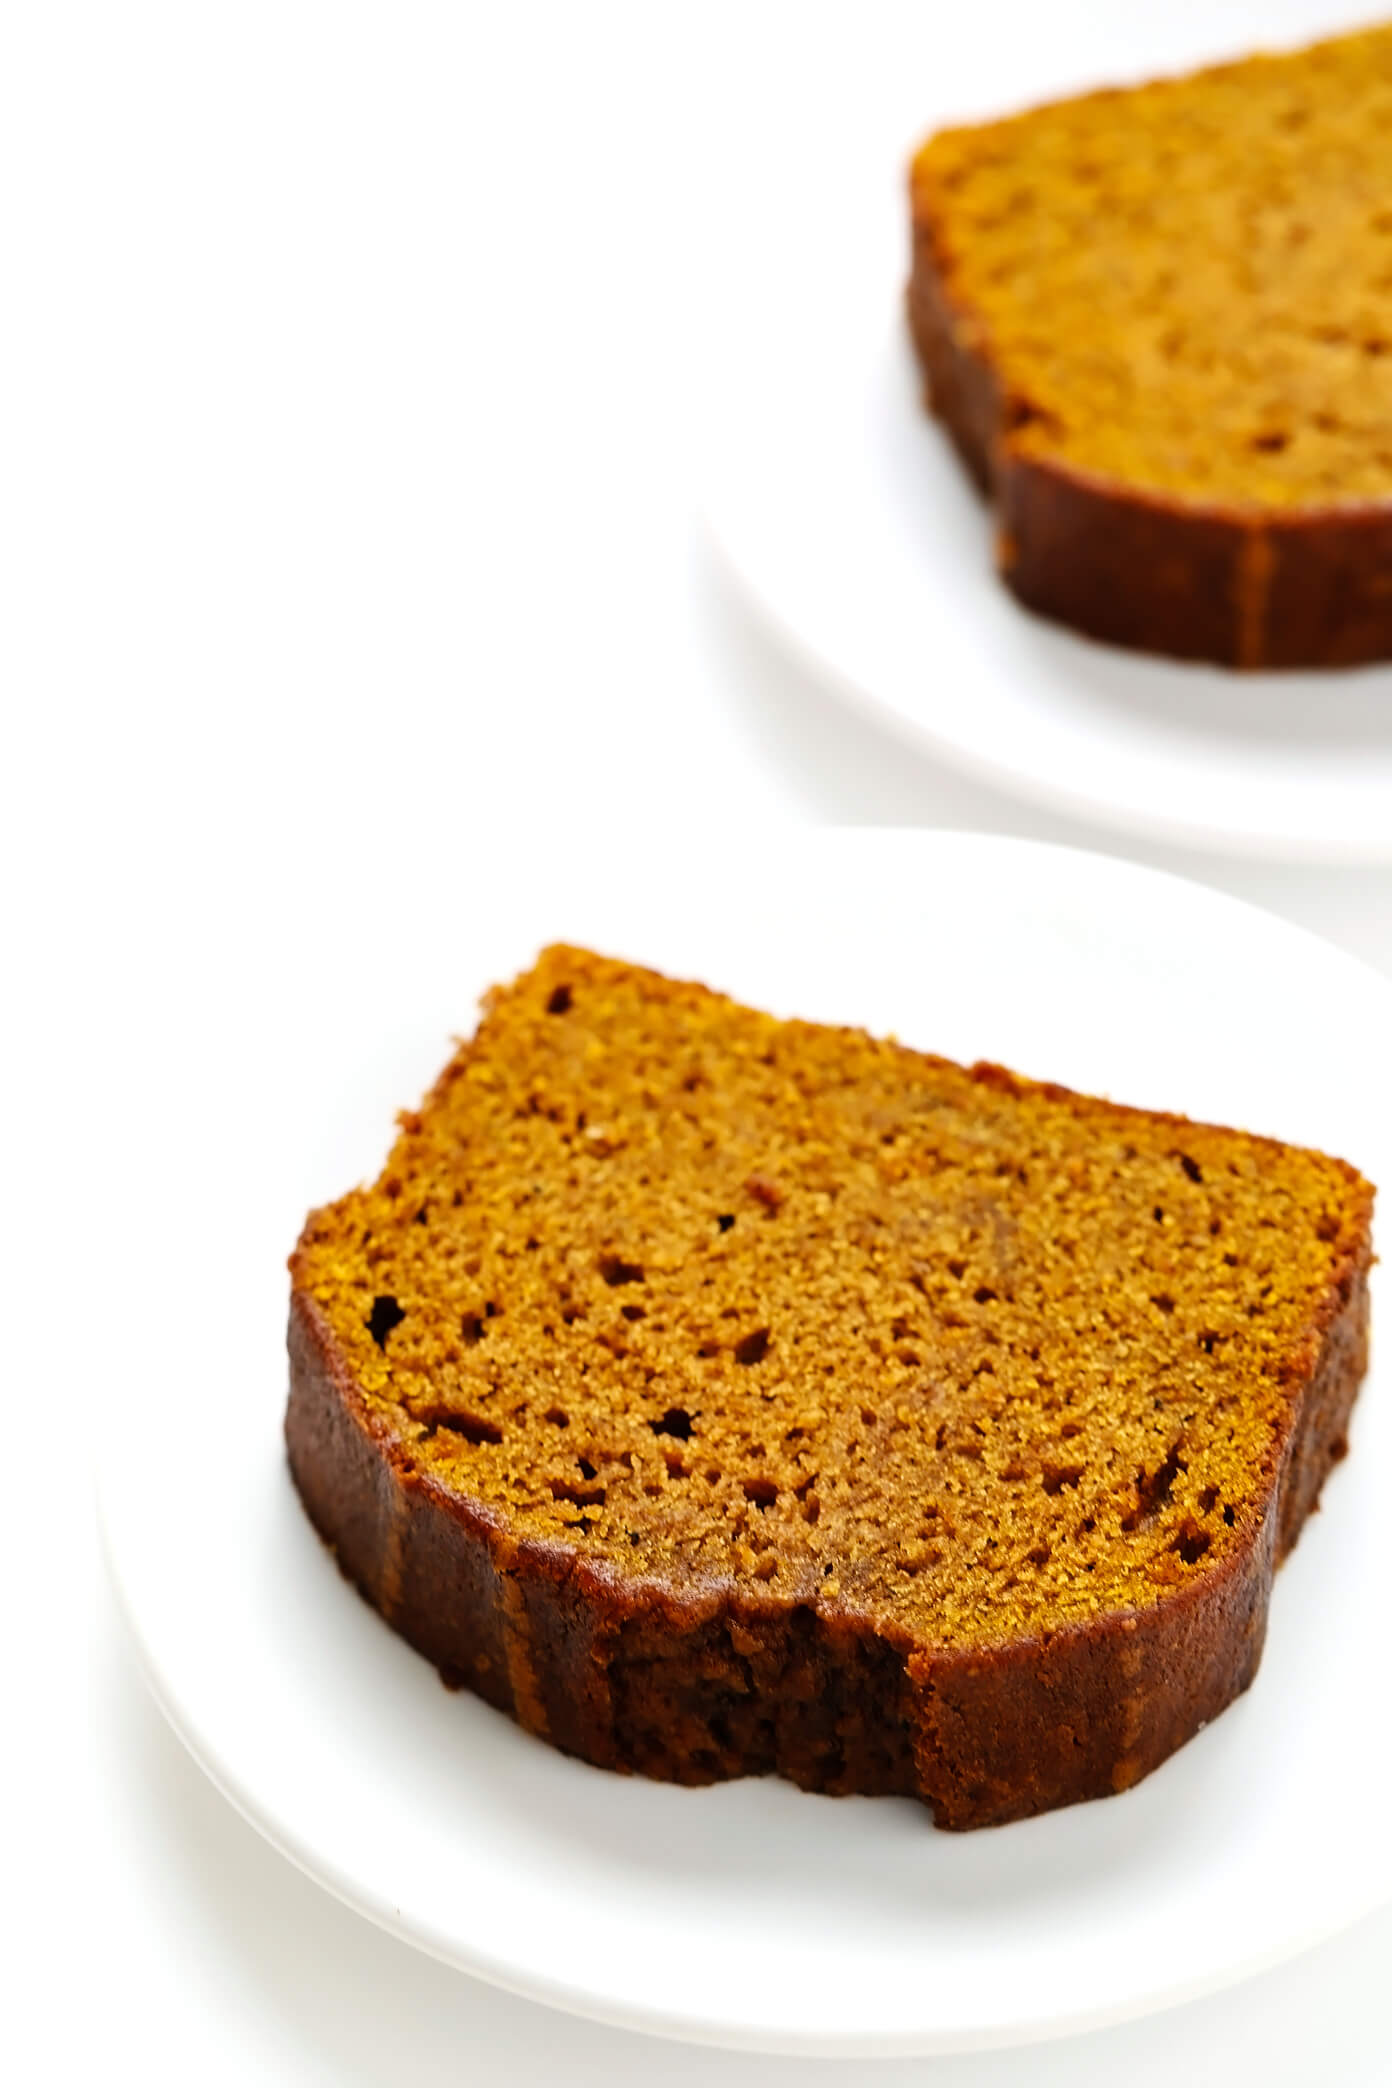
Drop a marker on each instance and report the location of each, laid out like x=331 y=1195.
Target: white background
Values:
x=348 y=454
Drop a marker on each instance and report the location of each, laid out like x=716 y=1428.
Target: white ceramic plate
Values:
x=752 y=1914
x=840 y=508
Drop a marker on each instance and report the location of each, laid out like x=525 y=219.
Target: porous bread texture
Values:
x=717 y=1298
x=1180 y=294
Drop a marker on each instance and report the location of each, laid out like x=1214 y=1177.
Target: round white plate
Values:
x=751 y=1914
x=840 y=507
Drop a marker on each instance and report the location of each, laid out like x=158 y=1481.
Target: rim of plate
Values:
x=554 y=1993
x=996 y=771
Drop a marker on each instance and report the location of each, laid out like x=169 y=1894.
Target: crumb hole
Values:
x=1191 y=1543
x=578 y=1496
x=385 y=1315
x=1056 y=1477
x=675 y=1422
x=1153 y=1489
x=475 y=1428
x=560 y=1002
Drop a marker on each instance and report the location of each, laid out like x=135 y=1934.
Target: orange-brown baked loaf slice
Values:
x=720 y=1395
x=1158 y=324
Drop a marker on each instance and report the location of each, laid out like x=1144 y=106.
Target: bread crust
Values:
x=695 y=1682
x=1311 y=588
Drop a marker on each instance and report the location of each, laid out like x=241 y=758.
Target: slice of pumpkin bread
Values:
x=722 y=1395
x=1158 y=324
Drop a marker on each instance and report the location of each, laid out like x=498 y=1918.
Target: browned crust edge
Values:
x=1238 y=589
x=694 y=1684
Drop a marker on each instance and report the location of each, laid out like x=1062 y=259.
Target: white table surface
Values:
x=346 y=487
